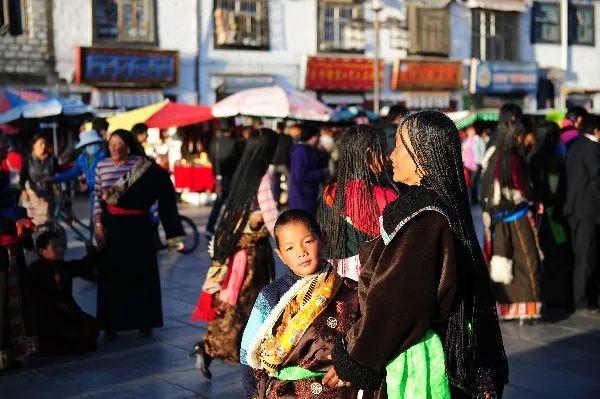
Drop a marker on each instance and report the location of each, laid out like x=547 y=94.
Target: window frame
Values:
x=5 y=29
x=573 y=8
x=357 y=6
x=266 y=45
x=417 y=17
x=151 y=39
x=537 y=7
x=508 y=38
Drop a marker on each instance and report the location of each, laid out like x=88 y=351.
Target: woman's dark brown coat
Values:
x=406 y=287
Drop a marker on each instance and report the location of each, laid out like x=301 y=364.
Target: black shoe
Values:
x=110 y=335
x=145 y=333
x=203 y=360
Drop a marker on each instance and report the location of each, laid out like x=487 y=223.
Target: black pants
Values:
x=218 y=204
x=585 y=247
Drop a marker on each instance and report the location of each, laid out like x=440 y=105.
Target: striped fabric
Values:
x=107 y=174
x=267 y=204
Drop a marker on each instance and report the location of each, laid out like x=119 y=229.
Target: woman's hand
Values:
x=332 y=380
x=26 y=197
x=255 y=220
x=99 y=234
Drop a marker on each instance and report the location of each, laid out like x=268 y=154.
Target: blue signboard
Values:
x=503 y=77
x=127 y=67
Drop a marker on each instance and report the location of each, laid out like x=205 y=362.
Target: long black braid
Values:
x=361 y=147
x=255 y=160
x=473 y=345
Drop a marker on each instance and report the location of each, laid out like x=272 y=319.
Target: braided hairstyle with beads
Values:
x=475 y=356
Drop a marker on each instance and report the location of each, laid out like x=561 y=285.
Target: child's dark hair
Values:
x=296 y=216
x=44 y=239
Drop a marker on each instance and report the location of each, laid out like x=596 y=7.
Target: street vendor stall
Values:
x=189 y=175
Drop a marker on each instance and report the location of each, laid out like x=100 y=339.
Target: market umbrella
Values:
x=29 y=104
x=272 y=102
x=463 y=119
x=161 y=115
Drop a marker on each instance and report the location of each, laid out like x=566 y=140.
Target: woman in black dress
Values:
x=127 y=185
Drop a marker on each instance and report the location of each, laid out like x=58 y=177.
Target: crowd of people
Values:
x=38 y=313
x=388 y=291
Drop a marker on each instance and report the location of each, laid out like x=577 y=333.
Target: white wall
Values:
x=292 y=34
x=176 y=28
x=583 y=61
x=72 y=27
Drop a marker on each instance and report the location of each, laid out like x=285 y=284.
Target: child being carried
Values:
x=289 y=345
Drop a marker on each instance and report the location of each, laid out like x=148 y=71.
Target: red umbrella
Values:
x=179 y=114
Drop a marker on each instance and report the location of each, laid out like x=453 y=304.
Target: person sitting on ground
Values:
x=62 y=326
x=295 y=320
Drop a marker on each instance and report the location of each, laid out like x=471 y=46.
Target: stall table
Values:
x=194 y=178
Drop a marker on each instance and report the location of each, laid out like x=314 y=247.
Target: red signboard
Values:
x=426 y=75
x=341 y=73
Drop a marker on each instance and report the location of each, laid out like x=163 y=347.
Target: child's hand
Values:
x=332 y=380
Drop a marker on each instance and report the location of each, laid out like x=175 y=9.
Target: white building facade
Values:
x=125 y=54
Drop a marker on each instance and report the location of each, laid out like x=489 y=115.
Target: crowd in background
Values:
x=538 y=185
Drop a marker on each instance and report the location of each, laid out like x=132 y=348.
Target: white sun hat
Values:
x=88 y=137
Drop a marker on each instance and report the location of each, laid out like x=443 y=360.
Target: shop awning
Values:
x=342 y=99
x=124 y=98
x=504 y=5
x=161 y=115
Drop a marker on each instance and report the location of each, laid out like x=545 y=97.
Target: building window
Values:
x=340 y=27
x=124 y=21
x=495 y=35
x=545 y=23
x=241 y=24
x=429 y=31
x=13 y=17
x=581 y=24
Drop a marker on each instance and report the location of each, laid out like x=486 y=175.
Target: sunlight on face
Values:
x=405 y=168
x=299 y=248
x=118 y=149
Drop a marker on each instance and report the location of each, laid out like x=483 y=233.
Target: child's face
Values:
x=299 y=249
x=54 y=251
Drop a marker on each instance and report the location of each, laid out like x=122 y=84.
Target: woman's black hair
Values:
x=510 y=112
x=473 y=342
x=509 y=141
x=590 y=123
x=296 y=216
x=308 y=131
x=36 y=137
x=44 y=239
x=360 y=147
x=547 y=136
x=130 y=142
x=255 y=160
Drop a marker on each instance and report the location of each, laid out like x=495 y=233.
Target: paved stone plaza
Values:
x=549 y=360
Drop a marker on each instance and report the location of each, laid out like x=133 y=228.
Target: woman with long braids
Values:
x=348 y=217
x=242 y=262
x=428 y=325
x=512 y=244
